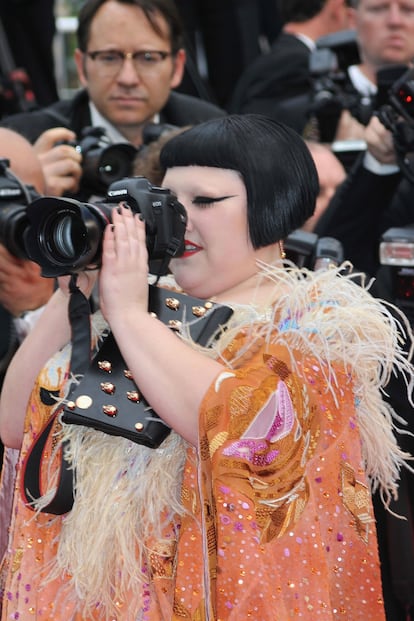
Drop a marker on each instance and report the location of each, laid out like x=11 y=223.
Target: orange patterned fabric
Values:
x=279 y=522
x=291 y=532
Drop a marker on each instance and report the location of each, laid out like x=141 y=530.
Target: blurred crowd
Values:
x=336 y=71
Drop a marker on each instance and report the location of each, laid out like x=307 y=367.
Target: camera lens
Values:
x=64 y=236
x=115 y=163
x=13 y=222
x=103 y=166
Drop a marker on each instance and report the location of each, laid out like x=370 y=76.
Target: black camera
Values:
x=306 y=249
x=332 y=91
x=397 y=114
x=400 y=93
x=14 y=199
x=103 y=162
x=64 y=236
x=397 y=252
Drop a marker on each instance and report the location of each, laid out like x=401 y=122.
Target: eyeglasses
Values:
x=110 y=62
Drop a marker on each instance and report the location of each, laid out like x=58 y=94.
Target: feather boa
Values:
x=126 y=492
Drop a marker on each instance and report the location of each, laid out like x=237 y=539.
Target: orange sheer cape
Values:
x=274 y=518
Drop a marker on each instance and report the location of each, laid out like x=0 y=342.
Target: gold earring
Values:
x=282 y=250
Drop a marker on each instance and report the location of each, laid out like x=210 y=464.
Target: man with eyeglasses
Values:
x=130 y=58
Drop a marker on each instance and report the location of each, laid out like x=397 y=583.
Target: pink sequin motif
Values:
x=274 y=421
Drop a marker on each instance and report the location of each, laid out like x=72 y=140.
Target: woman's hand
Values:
x=124 y=274
x=174 y=377
x=380 y=142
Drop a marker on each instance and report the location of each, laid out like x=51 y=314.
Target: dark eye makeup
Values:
x=209 y=200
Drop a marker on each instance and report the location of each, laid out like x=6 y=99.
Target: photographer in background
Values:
x=374 y=197
x=385 y=37
x=23 y=294
x=130 y=57
x=278 y=84
x=22 y=289
x=360 y=210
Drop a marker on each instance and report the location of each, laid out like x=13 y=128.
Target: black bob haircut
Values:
x=273 y=160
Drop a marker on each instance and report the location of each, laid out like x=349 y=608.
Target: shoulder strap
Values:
x=62 y=500
x=30 y=486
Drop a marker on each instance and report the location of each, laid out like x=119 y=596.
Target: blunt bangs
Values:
x=273 y=160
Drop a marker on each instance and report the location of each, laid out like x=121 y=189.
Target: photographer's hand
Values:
x=22 y=288
x=380 y=142
x=61 y=163
x=349 y=128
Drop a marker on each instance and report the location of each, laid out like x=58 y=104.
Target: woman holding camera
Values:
x=257 y=504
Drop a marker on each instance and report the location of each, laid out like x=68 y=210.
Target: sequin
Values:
x=259 y=515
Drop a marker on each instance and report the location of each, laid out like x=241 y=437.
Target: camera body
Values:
x=103 y=162
x=397 y=114
x=397 y=253
x=401 y=92
x=14 y=200
x=64 y=236
x=306 y=249
x=332 y=91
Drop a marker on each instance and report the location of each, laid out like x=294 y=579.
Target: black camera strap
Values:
x=79 y=317
x=62 y=500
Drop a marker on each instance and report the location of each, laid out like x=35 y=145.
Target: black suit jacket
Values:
x=277 y=84
x=362 y=208
x=74 y=114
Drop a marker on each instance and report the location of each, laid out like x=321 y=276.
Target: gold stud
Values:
x=174 y=324
x=108 y=387
x=172 y=303
x=128 y=374
x=139 y=426
x=71 y=405
x=105 y=365
x=133 y=395
x=110 y=410
x=199 y=311
x=208 y=305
